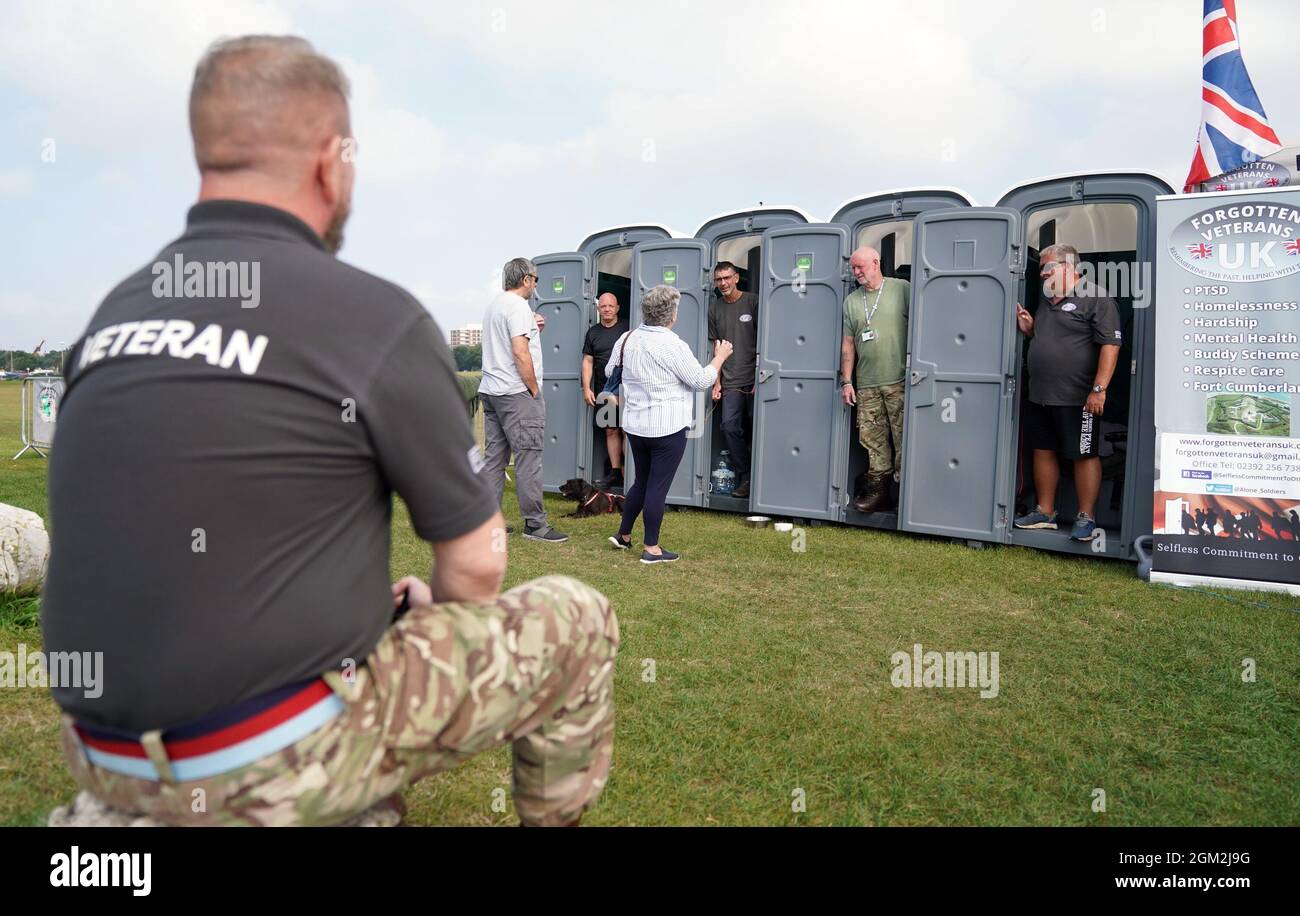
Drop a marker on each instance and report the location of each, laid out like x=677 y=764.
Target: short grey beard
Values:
x=333 y=237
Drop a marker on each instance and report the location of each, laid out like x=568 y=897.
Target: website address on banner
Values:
x=1180 y=881
x=1235 y=443
x=1279 y=455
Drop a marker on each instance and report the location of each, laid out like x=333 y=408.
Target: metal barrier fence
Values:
x=39 y=397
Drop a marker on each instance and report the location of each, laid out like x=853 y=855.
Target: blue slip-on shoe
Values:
x=664 y=556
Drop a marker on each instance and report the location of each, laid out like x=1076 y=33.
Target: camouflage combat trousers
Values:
x=880 y=428
x=535 y=668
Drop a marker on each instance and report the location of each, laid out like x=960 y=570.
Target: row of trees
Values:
x=468 y=359
x=23 y=361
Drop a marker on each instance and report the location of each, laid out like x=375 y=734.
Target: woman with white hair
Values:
x=660 y=378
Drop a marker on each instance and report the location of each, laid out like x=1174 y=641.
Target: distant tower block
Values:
x=471 y=335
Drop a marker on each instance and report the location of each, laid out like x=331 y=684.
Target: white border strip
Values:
x=1186 y=581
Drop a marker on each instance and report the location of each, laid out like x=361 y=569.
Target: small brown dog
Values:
x=591 y=499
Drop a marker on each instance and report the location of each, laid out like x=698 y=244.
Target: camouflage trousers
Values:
x=534 y=667
x=880 y=428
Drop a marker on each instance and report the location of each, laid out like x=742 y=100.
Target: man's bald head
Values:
x=265 y=103
x=607 y=308
x=865 y=264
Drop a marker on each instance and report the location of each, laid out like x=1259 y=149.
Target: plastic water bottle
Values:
x=724 y=479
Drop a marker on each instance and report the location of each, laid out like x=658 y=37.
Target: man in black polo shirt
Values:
x=1076 y=340
x=734 y=317
x=237 y=416
x=596 y=349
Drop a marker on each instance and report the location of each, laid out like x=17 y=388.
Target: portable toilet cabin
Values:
x=1109 y=217
x=965 y=471
x=806 y=453
x=687 y=264
x=568 y=285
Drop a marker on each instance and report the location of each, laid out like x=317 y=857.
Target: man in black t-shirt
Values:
x=734 y=317
x=237 y=417
x=596 y=349
x=1076 y=340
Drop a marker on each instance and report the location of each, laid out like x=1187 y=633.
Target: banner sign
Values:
x=1259 y=174
x=39 y=397
x=1227 y=500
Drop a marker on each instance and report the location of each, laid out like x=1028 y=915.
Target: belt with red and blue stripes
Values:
x=219 y=742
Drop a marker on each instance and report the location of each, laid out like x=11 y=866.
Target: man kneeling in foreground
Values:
x=236 y=419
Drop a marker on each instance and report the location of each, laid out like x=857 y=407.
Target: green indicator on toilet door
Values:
x=803 y=263
x=670 y=276
x=557 y=285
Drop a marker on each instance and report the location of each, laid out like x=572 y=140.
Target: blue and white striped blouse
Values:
x=660 y=378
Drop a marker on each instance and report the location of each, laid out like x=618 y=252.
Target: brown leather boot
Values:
x=875 y=495
x=891 y=502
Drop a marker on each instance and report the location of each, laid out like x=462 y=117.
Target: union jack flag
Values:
x=1234 y=127
x=1200 y=251
x=1293 y=247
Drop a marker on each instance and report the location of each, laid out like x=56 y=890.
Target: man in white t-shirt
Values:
x=514 y=411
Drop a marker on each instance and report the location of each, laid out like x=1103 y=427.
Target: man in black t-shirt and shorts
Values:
x=1075 y=344
x=238 y=416
x=596 y=349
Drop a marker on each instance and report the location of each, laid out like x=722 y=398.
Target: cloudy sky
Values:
x=494 y=129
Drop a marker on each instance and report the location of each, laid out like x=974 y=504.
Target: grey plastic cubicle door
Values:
x=682 y=264
x=797 y=414
x=561 y=299
x=958 y=461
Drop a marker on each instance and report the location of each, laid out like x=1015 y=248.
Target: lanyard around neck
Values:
x=875 y=305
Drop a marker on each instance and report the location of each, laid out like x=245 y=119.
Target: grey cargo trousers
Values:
x=516 y=423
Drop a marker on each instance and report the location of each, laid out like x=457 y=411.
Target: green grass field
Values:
x=772 y=675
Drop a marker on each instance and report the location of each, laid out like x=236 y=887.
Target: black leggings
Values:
x=655 y=461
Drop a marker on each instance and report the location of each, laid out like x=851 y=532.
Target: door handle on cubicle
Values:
x=921 y=380
x=769 y=380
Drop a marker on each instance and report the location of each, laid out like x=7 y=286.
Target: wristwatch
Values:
x=1100 y=389
x=845 y=381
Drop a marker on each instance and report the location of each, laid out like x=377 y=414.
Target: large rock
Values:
x=24 y=551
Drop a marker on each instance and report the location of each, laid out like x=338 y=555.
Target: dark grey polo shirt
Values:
x=1068 y=338
x=737 y=322
x=220 y=491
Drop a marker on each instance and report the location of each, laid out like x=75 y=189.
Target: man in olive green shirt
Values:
x=875 y=331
